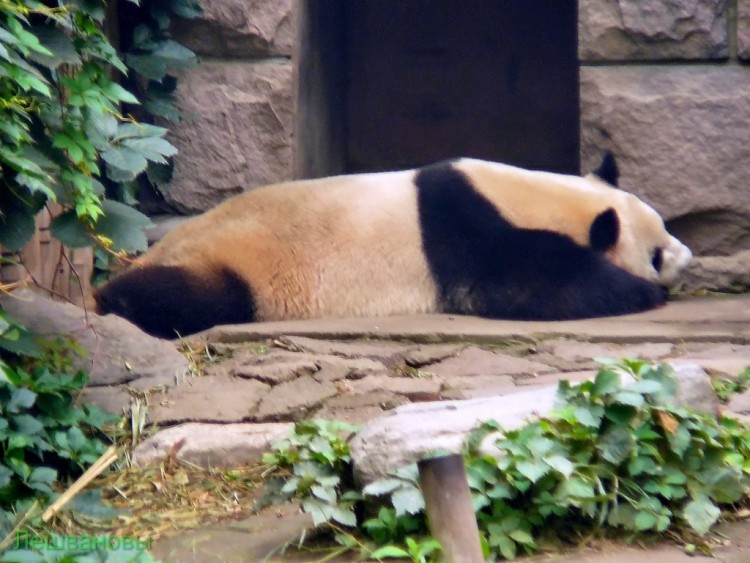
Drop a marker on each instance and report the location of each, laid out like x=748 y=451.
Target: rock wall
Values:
x=665 y=85
x=239 y=102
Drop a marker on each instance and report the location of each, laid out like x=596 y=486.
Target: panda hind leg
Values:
x=171 y=301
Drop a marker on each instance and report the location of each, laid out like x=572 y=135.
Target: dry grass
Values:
x=158 y=501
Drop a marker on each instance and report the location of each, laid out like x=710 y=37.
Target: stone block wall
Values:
x=238 y=134
x=665 y=84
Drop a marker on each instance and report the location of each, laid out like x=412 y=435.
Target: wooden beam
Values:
x=450 y=513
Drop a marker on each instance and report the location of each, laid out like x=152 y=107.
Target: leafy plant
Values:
x=44 y=435
x=726 y=387
x=63 y=135
x=611 y=455
x=316 y=468
x=418 y=551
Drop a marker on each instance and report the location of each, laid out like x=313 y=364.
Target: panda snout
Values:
x=677 y=257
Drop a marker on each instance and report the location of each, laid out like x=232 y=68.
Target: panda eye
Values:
x=657 y=259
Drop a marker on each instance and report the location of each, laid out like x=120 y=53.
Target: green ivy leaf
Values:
x=69 y=230
x=324 y=493
x=16 y=228
x=20 y=399
x=701 y=514
x=590 y=415
x=42 y=478
x=616 y=444
x=124 y=226
x=117 y=93
x=382 y=487
x=533 y=470
x=560 y=464
x=606 y=382
x=389 y=552
x=626 y=397
x=125 y=159
x=59 y=46
x=408 y=500
x=645 y=520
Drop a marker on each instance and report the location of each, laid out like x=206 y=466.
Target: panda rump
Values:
x=421 y=241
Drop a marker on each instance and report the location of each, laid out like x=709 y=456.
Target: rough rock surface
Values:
x=118 y=352
x=581 y=351
x=388 y=353
x=211 y=445
x=407 y=433
x=718 y=273
x=210 y=398
x=295 y=398
x=740 y=404
x=240 y=134
x=474 y=361
x=638 y=112
x=614 y=30
x=743 y=29
x=239 y=28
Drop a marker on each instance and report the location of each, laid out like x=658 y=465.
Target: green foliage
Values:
x=417 y=550
x=611 y=455
x=726 y=387
x=44 y=435
x=316 y=462
x=63 y=134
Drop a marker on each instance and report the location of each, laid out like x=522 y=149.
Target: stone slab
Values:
x=582 y=351
x=112 y=399
x=276 y=372
x=699 y=186
x=211 y=398
x=414 y=388
x=474 y=361
x=619 y=30
x=294 y=400
x=211 y=445
x=431 y=353
x=118 y=351
x=722 y=319
x=387 y=353
x=253 y=539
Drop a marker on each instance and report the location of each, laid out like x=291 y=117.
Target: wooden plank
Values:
x=449 y=510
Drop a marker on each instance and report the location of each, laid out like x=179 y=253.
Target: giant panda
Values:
x=464 y=236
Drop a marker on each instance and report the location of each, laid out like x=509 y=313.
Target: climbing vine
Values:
x=67 y=128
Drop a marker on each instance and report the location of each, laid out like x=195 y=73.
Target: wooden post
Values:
x=449 y=510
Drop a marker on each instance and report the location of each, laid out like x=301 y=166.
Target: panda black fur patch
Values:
x=484 y=265
x=607 y=169
x=169 y=300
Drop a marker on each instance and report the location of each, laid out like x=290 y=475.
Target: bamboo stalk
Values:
x=104 y=461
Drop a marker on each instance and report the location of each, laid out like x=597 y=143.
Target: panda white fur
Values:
x=464 y=236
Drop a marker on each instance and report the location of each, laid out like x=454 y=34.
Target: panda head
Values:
x=631 y=233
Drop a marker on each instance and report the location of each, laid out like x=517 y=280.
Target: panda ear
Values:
x=604 y=231
x=607 y=169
